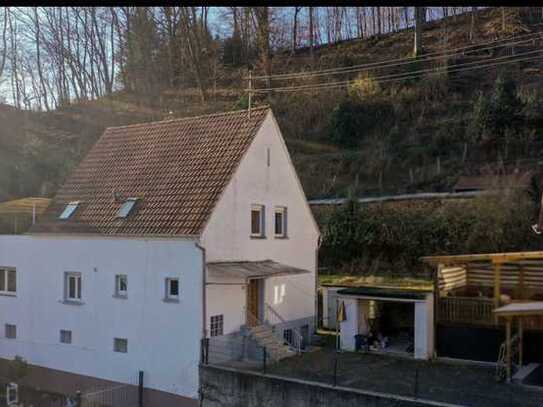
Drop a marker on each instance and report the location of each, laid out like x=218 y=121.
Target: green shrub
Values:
x=498 y=118
x=352 y=120
x=393 y=237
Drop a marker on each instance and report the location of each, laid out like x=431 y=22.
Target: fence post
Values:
x=416 y=381
x=202 y=350
x=265 y=355
x=140 y=389
x=78 y=400
x=335 y=369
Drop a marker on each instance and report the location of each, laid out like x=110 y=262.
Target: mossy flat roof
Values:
x=390 y=282
x=384 y=292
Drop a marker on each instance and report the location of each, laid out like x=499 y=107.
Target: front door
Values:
x=253 y=302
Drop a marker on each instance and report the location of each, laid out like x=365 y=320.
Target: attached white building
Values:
x=167 y=233
x=405 y=317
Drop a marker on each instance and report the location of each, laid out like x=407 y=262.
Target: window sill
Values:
x=171 y=300
x=281 y=237
x=72 y=302
x=120 y=296
x=258 y=237
x=8 y=294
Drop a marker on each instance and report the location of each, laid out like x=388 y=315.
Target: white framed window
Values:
x=257 y=221
x=8 y=281
x=11 y=331
x=72 y=286
x=172 y=289
x=280 y=221
x=69 y=209
x=287 y=335
x=65 y=336
x=121 y=285
x=216 y=326
x=120 y=345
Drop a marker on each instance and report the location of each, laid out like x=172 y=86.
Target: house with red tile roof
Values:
x=169 y=239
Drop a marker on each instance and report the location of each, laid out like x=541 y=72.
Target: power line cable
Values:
x=405 y=61
x=411 y=75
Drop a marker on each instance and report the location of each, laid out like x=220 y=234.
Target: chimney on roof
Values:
x=118 y=197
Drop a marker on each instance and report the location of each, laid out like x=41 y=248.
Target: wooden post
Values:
x=264 y=359
x=508 y=347
x=497 y=285
x=521 y=283
x=520 y=344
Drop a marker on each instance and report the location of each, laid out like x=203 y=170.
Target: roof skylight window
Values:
x=127 y=207
x=69 y=209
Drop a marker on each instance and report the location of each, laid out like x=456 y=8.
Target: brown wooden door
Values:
x=253 y=303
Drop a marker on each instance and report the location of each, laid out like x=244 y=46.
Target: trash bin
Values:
x=360 y=342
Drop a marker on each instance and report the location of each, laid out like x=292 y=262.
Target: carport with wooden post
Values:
x=489 y=291
x=509 y=313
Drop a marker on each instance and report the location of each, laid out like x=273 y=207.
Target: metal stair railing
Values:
x=273 y=318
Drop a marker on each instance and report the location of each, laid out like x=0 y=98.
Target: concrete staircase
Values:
x=275 y=347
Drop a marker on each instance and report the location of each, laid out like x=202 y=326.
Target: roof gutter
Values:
x=204 y=285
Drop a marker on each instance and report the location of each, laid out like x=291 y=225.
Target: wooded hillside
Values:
x=469 y=103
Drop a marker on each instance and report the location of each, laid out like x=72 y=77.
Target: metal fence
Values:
x=128 y=394
x=456 y=383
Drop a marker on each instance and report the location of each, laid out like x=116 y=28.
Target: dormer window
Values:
x=127 y=207
x=69 y=209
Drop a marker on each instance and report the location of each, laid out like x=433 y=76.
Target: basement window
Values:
x=65 y=336
x=11 y=331
x=127 y=207
x=69 y=209
x=120 y=345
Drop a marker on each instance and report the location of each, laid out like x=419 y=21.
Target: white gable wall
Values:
x=227 y=234
x=163 y=338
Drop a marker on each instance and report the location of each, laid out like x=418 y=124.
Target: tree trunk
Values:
x=295 y=30
x=420 y=17
x=311 y=35
x=263 y=39
x=472 y=25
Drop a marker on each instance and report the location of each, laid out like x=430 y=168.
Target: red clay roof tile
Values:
x=178 y=169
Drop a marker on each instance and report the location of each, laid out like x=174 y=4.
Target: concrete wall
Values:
x=227 y=234
x=163 y=338
x=222 y=387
